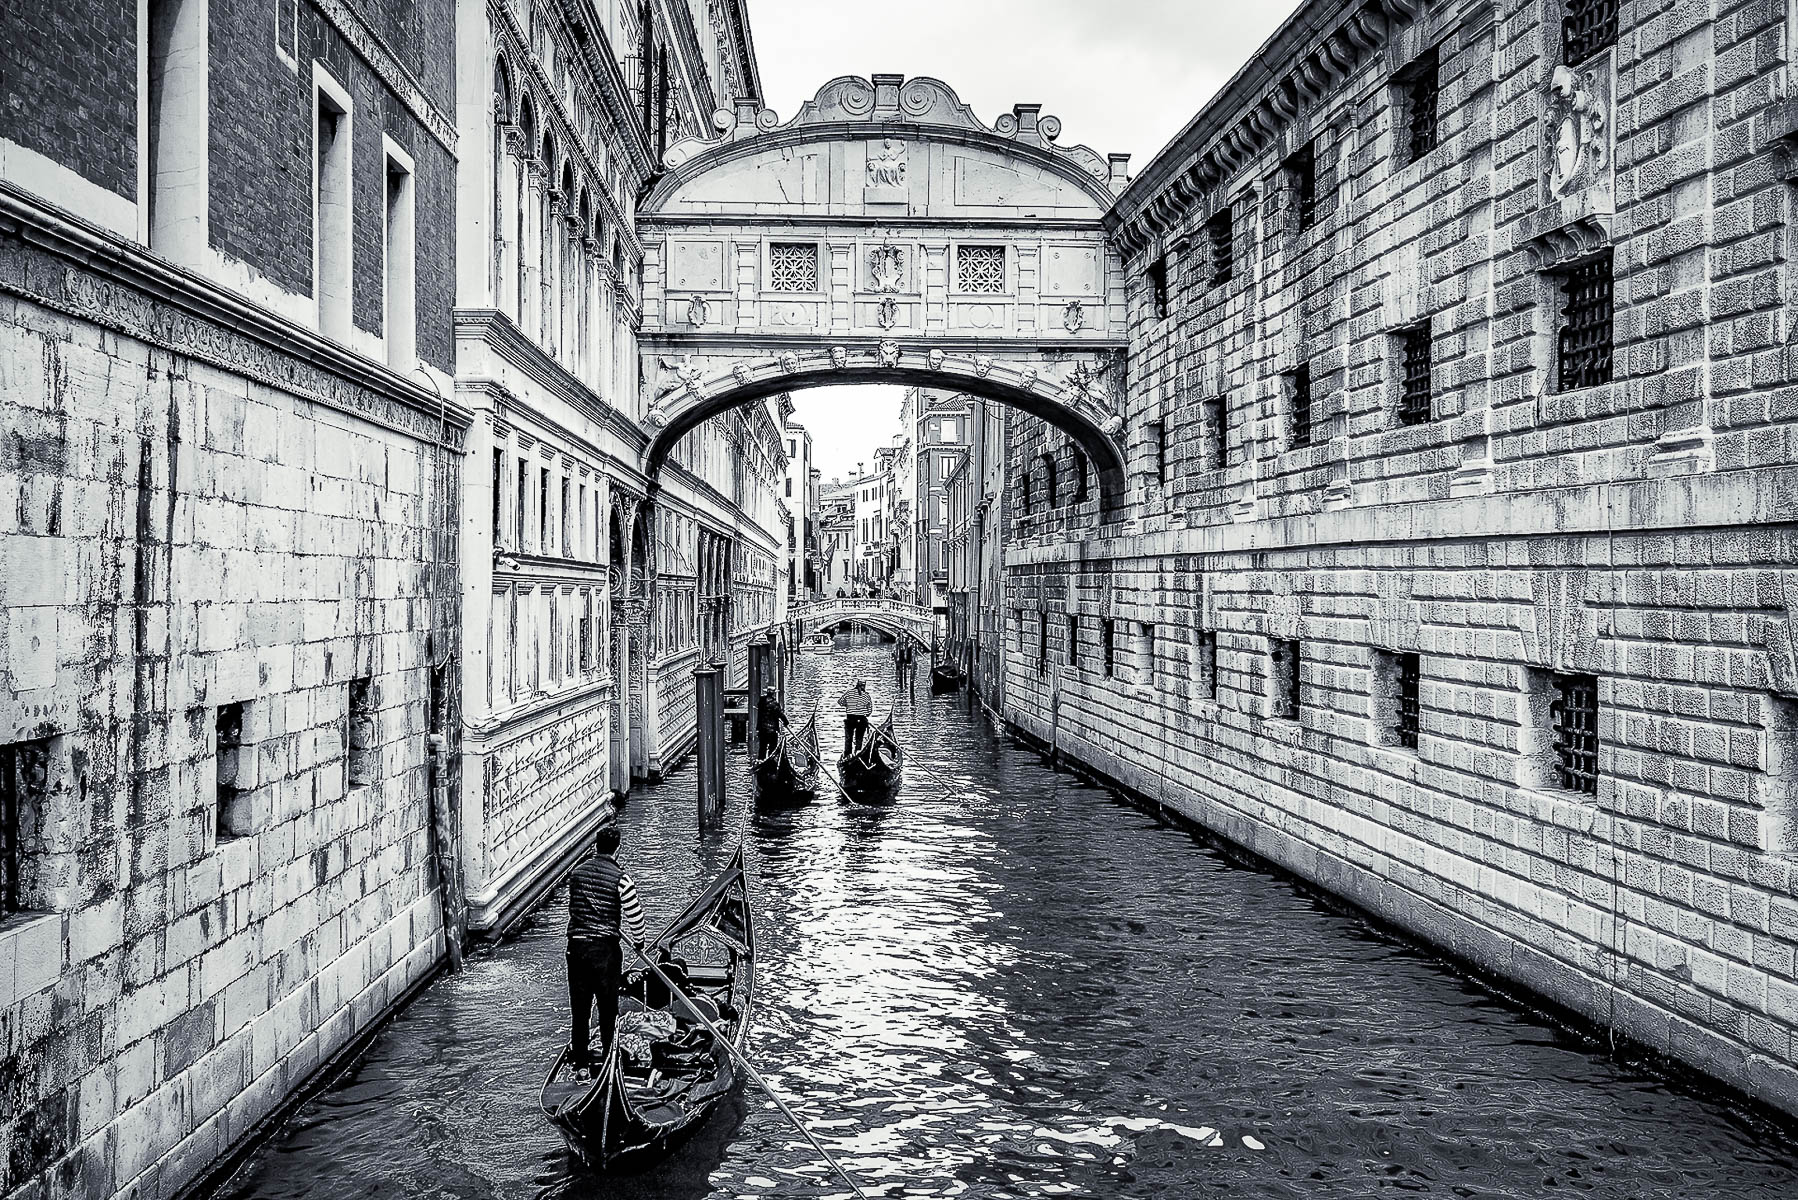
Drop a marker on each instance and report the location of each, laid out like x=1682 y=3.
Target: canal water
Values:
x=1010 y=984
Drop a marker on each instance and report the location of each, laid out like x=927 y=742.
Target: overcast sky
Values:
x=1123 y=76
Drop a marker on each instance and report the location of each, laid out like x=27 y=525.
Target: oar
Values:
x=712 y=1029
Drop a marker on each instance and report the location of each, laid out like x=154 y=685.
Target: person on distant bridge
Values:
x=859 y=706
x=601 y=898
x=770 y=718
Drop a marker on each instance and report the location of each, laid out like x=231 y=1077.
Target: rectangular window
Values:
x=980 y=269
x=524 y=501
x=1298 y=392
x=1301 y=174
x=1583 y=348
x=233 y=774
x=499 y=483
x=399 y=292
x=1157 y=431
x=543 y=510
x=24 y=789
x=1414 y=405
x=179 y=113
x=1284 y=665
x=1420 y=88
x=1573 y=715
x=1145 y=654
x=789 y=489
x=1215 y=432
x=567 y=545
x=1587 y=26
x=331 y=222
x=1204 y=664
x=1781 y=801
x=1395 y=711
x=1073 y=640
x=1042 y=643
x=1220 y=236
x=360 y=734
x=1158 y=287
x=1108 y=647
x=793 y=267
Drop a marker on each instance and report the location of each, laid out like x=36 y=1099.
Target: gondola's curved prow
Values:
x=788 y=774
x=874 y=770
x=613 y=1121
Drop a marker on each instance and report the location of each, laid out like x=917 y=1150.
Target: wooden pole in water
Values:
x=708 y=704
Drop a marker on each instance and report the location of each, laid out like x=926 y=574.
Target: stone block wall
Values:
x=1297 y=541
x=217 y=633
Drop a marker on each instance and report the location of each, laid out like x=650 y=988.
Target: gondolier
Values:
x=602 y=901
x=770 y=718
x=859 y=706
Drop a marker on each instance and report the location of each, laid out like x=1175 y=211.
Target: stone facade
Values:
x=229 y=707
x=1457 y=575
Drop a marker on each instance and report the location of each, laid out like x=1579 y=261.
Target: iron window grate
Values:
x=1158 y=286
x=1584 y=347
x=1286 y=672
x=1303 y=169
x=980 y=269
x=1588 y=27
x=1414 y=406
x=1575 y=715
x=1220 y=232
x=1422 y=95
x=1301 y=405
x=1073 y=640
x=1409 y=673
x=793 y=267
x=1108 y=646
x=24 y=778
x=1215 y=433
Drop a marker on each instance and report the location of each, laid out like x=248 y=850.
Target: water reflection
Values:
x=1007 y=985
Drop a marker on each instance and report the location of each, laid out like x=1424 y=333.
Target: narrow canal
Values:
x=1010 y=984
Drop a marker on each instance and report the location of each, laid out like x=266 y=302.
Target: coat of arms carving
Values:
x=886 y=268
x=886 y=167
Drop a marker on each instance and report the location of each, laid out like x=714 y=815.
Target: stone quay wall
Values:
x=216 y=682
x=1418 y=519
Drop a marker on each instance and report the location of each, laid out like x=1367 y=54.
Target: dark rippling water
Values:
x=1009 y=984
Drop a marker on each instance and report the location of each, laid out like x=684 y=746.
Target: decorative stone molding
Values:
x=1690 y=451
x=1579 y=118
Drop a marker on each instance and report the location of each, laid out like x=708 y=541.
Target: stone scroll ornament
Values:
x=1578 y=106
x=886 y=268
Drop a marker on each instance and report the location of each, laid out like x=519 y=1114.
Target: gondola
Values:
x=788 y=776
x=665 y=1071
x=873 y=771
x=944 y=677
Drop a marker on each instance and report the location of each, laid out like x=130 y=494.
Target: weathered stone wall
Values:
x=215 y=690
x=1530 y=526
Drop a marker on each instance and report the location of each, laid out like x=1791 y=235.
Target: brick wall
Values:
x=72 y=96
x=204 y=567
x=1636 y=530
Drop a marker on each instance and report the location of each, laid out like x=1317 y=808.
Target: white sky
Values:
x=1123 y=76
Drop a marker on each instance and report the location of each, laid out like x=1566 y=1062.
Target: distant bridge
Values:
x=891 y=617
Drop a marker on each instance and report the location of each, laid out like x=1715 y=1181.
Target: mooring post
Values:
x=708 y=698
x=778 y=663
x=761 y=675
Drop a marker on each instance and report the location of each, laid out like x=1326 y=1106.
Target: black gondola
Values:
x=944 y=677
x=788 y=776
x=651 y=1093
x=874 y=770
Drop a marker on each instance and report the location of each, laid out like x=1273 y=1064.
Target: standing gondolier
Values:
x=859 y=706
x=602 y=899
x=770 y=718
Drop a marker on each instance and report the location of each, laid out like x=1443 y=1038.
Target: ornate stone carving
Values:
x=1087 y=384
x=1027 y=378
x=888 y=315
x=789 y=362
x=889 y=354
x=656 y=418
x=696 y=311
x=741 y=371
x=935 y=358
x=1580 y=119
x=1073 y=318
x=839 y=357
x=983 y=365
x=886 y=168
x=886 y=268
x=686 y=372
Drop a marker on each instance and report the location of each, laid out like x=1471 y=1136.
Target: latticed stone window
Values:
x=1587 y=26
x=1298 y=385
x=1220 y=235
x=1421 y=88
x=1301 y=170
x=1583 y=357
x=793 y=267
x=980 y=269
x=1414 y=402
x=1574 y=716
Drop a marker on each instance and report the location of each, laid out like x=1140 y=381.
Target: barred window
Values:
x=1583 y=356
x=1414 y=406
x=1587 y=27
x=231 y=812
x=1204 y=664
x=1410 y=671
x=1157 y=431
x=1298 y=384
x=1108 y=646
x=1073 y=640
x=1042 y=643
x=1285 y=666
x=980 y=269
x=1158 y=287
x=1421 y=88
x=1301 y=169
x=1079 y=474
x=793 y=267
x=1215 y=418
x=24 y=786
x=1221 y=236
x=1574 y=713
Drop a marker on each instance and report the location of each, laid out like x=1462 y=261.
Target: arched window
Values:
x=527 y=124
x=502 y=117
x=1048 y=461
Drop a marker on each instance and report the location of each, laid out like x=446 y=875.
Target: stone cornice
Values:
x=1309 y=56
x=498 y=331
x=120 y=286
x=373 y=50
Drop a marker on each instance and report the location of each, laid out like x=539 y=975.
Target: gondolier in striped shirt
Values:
x=602 y=902
x=859 y=706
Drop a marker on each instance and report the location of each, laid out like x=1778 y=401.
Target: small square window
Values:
x=1396 y=678
x=1583 y=348
x=1108 y=646
x=1220 y=236
x=1573 y=715
x=1301 y=174
x=980 y=269
x=1284 y=664
x=793 y=267
x=234 y=774
x=1420 y=88
x=1158 y=287
x=1216 y=432
x=1298 y=393
x=1587 y=26
x=1415 y=405
x=361 y=742
x=1204 y=664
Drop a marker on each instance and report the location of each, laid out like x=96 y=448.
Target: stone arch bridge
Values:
x=892 y=617
x=886 y=235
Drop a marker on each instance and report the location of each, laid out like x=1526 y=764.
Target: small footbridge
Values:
x=891 y=617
